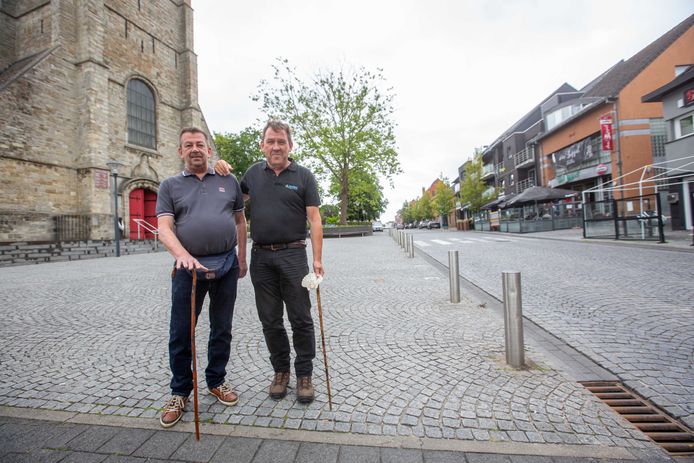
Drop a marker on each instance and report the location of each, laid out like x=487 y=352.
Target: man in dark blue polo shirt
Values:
x=201 y=221
x=283 y=196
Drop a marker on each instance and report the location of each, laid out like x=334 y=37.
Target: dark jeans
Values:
x=222 y=297
x=276 y=277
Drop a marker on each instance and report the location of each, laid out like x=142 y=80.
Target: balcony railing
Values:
x=487 y=170
x=499 y=168
x=523 y=158
x=525 y=184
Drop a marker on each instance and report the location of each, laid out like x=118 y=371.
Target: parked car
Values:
x=423 y=224
x=433 y=224
x=377 y=226
x=400 y=226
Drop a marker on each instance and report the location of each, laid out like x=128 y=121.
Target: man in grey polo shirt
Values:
x=200 y=217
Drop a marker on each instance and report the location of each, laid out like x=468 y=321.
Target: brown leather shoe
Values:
x=304 y=390
x=278 y=388
x=173 y=411
x=225 y=395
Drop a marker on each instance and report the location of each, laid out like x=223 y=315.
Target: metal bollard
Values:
x=406 y=248
x=453 y=276
x=513 y=319
x=411 y=240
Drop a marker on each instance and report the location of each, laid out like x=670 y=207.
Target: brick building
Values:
x=571 y=145
x=82 y=83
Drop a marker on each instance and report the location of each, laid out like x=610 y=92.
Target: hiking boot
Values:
x=173 y=411
x=225 y=395
x=304 y=390
x=278 y=388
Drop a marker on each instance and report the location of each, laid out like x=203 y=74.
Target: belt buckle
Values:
x=273 y=248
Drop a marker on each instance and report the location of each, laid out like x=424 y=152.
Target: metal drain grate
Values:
x=675 y=438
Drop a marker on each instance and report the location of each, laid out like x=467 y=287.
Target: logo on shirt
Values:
x=291 y=187
x=221 y=189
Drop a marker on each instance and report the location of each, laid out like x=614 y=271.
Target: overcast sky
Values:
x=462 y=71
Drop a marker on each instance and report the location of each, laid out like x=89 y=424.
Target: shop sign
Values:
x=606 y=132
x=574 y=155
x=601 y=169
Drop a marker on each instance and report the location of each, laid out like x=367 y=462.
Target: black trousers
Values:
x=276 y=277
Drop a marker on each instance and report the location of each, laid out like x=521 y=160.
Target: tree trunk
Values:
x=344 y=193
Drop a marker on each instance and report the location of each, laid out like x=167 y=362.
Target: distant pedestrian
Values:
x=201 y=221
x=283 y=197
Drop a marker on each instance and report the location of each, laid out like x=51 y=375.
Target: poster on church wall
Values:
x=100 y=179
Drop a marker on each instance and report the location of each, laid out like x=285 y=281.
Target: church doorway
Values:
x=143 y=203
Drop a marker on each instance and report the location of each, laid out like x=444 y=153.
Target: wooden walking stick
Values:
x=325 y=354
x=192 y=345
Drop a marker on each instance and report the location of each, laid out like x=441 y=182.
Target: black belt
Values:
x=280 y=246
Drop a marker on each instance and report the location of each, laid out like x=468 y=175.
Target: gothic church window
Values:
x=141 y=115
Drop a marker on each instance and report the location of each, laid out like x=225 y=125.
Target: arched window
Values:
x=141 y=115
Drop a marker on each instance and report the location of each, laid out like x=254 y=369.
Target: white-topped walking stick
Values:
x=313 y=281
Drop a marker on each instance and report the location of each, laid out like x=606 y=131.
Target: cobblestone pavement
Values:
x=629 y=309
x=91 y=337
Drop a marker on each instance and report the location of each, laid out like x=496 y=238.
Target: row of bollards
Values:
x=513 y=311
x=511 y=289
x=405 y=240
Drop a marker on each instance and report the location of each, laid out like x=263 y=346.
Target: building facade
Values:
x=83 y=83
x=574 y=153
x=677 y=171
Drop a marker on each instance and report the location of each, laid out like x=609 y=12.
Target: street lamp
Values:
x=114 y=165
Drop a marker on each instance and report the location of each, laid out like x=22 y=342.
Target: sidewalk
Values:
x=678 y=240
x=414 y=377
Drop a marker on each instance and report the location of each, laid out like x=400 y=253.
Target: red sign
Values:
x=600 y=169
x=689 y=96
x=606 y=132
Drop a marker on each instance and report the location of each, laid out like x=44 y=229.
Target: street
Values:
x=630 y=310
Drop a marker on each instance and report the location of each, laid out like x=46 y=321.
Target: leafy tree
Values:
x=473 y=187
x=241 y=150
x=366 y=199
x=342 y=121
x=329 y=213
x=407 y=212
x=423 y=207
x=444 y=198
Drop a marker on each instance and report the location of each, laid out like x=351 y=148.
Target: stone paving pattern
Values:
x=629 y=309
x=91 y=337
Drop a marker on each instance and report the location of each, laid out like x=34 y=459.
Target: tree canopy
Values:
x=472 y=188
x=444 y=198
x=241 y=150
x=342 y=122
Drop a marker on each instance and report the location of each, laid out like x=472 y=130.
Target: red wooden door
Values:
x=150 y=210
x=142 y=206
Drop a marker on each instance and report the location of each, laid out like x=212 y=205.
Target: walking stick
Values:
x=192 y=345
x=325 y=354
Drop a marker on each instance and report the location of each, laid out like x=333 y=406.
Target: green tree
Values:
x=407 y=212
x=366 y=200
x=473 y=187
x=329 y=213
x=342 y=121
x=444 y=198
x=423 y=207
x=241 y=150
